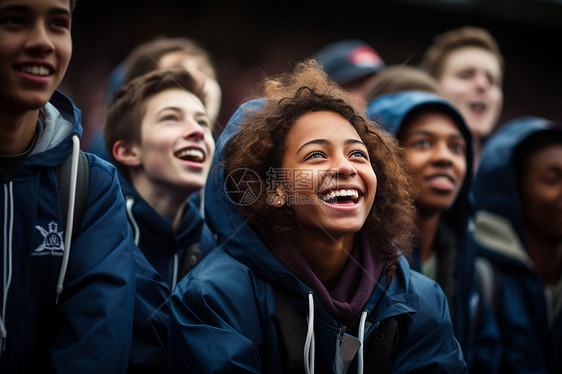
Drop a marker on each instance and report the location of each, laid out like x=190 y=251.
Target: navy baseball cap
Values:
x=348 y=60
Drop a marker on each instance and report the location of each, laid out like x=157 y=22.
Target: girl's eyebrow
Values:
x=326 y=141
x=314 y=141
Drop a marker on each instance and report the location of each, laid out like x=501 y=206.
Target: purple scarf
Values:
x=346 y=299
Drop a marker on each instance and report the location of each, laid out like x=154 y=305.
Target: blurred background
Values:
x=251 y=39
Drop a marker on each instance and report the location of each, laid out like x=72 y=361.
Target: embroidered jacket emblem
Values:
x=52 y=241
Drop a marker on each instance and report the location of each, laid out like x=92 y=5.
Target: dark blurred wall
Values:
x=249 y=39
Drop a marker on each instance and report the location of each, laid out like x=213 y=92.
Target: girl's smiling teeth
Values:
x=191 y=154
x=337 y=196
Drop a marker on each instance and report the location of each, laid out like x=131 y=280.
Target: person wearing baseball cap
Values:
x=350 y=63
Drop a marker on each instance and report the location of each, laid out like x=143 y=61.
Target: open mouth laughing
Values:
x=340 y=196
x=191 y=154
x=478 y=106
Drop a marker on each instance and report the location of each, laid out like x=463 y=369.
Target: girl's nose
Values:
x=342 y=166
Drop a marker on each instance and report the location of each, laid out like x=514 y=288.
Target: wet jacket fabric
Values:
x=529 y=343
x=89 y=329
x=455 y=271
x=224 y=317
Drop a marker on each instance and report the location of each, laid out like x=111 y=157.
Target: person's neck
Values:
x=427 y=224
x=546 y=255
x=16 y=132
x=168 y=202
x=327 y=256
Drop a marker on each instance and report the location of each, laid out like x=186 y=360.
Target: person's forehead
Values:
x=177 y=97
x=185 y=59
x=472 y=55
x=33 y=3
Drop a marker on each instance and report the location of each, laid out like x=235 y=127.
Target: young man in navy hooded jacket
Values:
x=517 y=195
x=67 y=303
x=157 y=132
x=437 y=146
x=159 y=136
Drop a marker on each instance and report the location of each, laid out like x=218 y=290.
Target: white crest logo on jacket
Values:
x=52 y=241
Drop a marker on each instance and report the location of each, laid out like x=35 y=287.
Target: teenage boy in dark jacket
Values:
x=159 y=136
x=67 y=302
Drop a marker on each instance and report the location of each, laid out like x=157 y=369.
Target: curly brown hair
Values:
x=261 y=141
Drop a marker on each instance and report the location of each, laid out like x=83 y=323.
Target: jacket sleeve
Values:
x=93 y=326
x=426 y=342
x=209 y=334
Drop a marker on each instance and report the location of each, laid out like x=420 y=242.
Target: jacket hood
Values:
x=234 y=235
x=392 y=110
x=495 y=187
x=58 y=121
x=238 y=240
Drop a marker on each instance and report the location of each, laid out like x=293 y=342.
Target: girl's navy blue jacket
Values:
x=224 y=316
x=475 y=332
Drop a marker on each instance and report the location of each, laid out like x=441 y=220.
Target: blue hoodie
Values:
x=89 y=329
x=224 y=317
x=160 y=262
x=530 y=343
x=391 y=111
x=171 y=252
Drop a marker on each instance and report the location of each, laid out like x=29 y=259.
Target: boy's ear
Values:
x=126 y=153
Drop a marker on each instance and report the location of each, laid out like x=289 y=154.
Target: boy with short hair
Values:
x=62 y=311
x=469 y=67
x=165 y=52
x=159 y=136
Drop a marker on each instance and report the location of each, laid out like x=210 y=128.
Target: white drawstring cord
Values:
x=70 y=214
x=361 y=340
x=7 y=250
x=309 y=342
x=175 y=272
x=129 y=203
